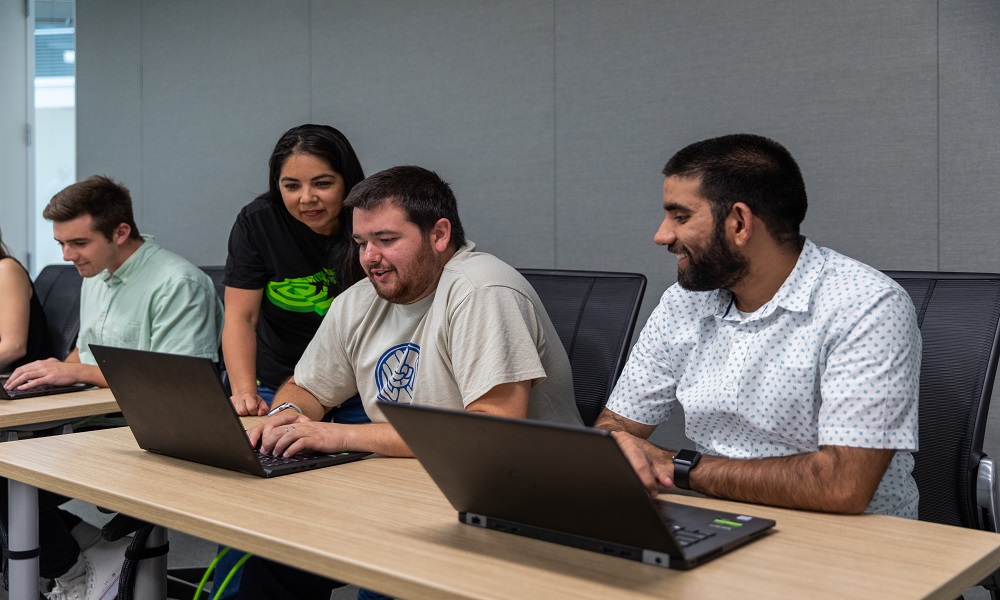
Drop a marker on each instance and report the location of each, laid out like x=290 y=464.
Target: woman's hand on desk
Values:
x=248 y=404
x=44 y=372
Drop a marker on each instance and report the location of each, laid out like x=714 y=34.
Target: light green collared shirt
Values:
x=155 y=301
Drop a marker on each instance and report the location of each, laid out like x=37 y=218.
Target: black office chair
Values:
x=58 y=289
x=959 y=317
x=217 y=273
x=594 y=314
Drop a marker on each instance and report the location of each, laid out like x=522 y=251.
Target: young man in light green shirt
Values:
x=134 y=295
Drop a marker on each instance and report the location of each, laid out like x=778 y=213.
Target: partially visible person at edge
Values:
x=134 y=294
x=797 y=367
x=290 y=255
x=24 y=335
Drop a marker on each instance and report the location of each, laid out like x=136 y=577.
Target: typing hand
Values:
x=652 y=464
x=42 y=372
x=248 y=404
x=263 y=436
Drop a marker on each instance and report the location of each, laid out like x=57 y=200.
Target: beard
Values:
x=715 y=266
x=410 y=285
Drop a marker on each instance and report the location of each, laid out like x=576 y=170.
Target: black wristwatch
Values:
x=684 y=461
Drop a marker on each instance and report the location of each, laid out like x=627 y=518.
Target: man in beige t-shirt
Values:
x=436 y=323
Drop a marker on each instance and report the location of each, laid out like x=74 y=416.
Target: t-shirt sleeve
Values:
x=872 y=378
x=494 y=334
x=325 y=369
x=186 y=318
x=245 y=267
x=647 y=388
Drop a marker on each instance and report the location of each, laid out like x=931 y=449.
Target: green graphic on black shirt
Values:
x=303 y=294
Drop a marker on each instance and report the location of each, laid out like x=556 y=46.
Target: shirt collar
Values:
x=794 y=294
x=132 y=264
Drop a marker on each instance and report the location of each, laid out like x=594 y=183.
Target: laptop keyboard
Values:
x=268 y=460
x=685 y=537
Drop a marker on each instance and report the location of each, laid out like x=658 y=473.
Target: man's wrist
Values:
x=684 y=462
x=284 y=406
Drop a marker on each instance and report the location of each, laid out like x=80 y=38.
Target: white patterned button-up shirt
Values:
x=833 y=359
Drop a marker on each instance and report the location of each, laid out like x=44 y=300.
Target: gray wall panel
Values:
x=219 y=87
x=464 y=88
x=109 y=94
x=970 y=135
x=852 y=93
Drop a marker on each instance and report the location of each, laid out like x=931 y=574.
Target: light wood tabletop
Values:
x=382 y=523
x=57 y=407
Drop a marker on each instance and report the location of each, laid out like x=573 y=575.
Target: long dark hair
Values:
x=331 y=146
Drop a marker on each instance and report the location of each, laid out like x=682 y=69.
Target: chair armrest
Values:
x=988 y=495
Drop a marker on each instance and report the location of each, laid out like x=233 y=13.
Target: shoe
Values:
x=100 y=581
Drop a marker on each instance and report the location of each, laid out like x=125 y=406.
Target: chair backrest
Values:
x=959 y=317
x=58 y=289
x=594 y=314
x=217 y=273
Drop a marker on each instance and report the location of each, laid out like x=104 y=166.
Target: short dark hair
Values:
x=421 y=193
x=332 y=147
x=752 y=169
x=107 y=201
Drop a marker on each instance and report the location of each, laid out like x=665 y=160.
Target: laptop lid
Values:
x=560 y=483
x=176 y=405
x=42 y=390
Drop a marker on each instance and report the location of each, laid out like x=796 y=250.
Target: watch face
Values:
x=685 y=456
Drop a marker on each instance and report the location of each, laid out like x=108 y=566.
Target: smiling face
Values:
x=313 y=192
x=403 y=264
x=705 y=258
x=88 y=249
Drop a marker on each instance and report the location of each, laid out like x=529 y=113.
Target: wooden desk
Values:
x=382 y=523
x=58 y=407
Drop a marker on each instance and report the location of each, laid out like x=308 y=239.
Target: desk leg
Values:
x=151 y=573
x=23 y=540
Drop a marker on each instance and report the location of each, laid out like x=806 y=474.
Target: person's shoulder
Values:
x=476 y=270
x=854 y=280
x=171 y=267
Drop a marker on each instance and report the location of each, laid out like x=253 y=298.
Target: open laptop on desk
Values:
x=42 y=390
x=563 y=484
x=176 y=406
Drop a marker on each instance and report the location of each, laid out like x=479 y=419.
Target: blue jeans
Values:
x=351 y=412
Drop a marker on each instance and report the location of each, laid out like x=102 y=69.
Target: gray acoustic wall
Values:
x=552 y=119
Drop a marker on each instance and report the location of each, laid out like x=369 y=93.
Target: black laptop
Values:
x=176 y=406
x=563 y=484
x=41 y=390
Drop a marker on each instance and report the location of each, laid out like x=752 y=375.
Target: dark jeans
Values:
x=58 y=549
x=351 y=412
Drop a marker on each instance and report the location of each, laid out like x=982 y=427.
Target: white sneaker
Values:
x=100 y=582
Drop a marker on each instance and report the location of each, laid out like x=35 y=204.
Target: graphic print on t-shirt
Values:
x=303 y=294
x=396 y=373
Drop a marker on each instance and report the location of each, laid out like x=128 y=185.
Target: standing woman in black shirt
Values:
x=290 y=254
x=23 y=332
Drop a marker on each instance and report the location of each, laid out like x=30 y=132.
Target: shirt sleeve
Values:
x=647 y=389
x=186 y=318
x=494 y=335
x=325 y=369
x=245 y=267
x=871 y=382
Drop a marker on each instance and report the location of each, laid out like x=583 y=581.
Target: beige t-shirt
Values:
x=483 y=326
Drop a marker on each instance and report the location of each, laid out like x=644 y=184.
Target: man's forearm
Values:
x=834 y=479
x=307 y=403
x=612 y=421
x=379 y=438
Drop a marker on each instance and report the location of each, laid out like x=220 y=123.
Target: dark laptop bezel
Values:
x=559 y=483
x=176 y=406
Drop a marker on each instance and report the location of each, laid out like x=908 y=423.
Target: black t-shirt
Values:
x=270 y=249
x=38 y=333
